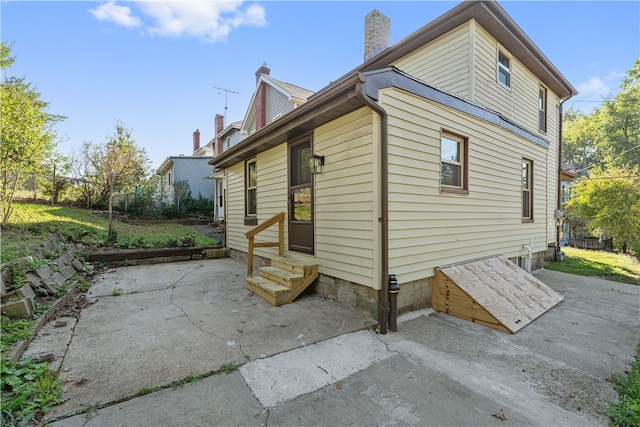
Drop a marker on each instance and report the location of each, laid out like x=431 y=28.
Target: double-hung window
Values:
x=251 y=184
x=527 y=190
x=453 y=163
x=504 y=69
x=542 y=109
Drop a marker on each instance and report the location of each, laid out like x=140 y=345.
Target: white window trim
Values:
x=508 y=70
x=545 y=109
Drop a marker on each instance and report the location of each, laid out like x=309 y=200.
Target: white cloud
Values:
x=594 y=88
x=120 y=15
x=594 y=91
x=210 y=20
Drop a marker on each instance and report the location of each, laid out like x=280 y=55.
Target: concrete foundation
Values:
x=413 y=296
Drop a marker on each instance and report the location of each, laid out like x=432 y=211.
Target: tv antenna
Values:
x=226 y=92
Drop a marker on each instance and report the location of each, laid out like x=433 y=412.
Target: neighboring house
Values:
x=438 y=150
x=568 y=173
x=577 y=235
x=225 y=139
x=193 y=169
x=271 y=100
x=228 y=137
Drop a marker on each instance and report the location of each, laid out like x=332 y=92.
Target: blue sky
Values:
x=155 y=66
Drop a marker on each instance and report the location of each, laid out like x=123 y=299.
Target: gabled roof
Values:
x=576 y=169
x=234 y=125
x=340 y=97
x=168 y=162
x=494 y=19
x=294 y=93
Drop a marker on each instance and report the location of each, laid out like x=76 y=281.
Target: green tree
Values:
x=610 y=136
x=609 y=199
x=118 y=165
x=26 y=131
x=619 y=139
x=578 y=136
x=143 y=203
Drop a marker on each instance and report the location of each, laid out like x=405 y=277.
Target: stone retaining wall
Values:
x=56 y=264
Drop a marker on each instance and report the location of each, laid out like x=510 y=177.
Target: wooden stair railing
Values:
x=279 y=218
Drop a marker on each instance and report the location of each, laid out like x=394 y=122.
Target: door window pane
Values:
x=301 y=198
x=301 y=165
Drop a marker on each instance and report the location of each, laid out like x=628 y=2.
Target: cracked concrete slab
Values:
x=151 y=325
x=436 y=370
x=53 y=339
x=285 y=376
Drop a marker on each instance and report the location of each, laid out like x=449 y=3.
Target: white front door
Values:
x=220 y=198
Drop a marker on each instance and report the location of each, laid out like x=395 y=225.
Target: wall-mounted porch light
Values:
x=318 y=163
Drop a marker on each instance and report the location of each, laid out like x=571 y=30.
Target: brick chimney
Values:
x=377 y=33
x=262 y=70
x=196 y=140
x=261 y=98
x=219 y=124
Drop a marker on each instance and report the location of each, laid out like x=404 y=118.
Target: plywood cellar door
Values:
x=493 y=292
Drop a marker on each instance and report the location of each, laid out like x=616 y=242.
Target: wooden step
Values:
x=268 y=290
x=293 y=266
x=283 y=281
x=282 y=277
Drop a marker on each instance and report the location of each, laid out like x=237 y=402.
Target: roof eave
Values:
x=493 y=18
x=295 y=123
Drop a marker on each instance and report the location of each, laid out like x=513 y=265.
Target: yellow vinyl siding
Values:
x=234 y=220
x=429 y=228
x=443 y=63
x=520 y=103
x=271 y=196
x=346 y=202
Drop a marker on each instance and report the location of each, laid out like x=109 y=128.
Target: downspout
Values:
x=557 y=254
x=383 y=313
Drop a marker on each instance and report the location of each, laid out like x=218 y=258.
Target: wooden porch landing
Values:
x=493 y=292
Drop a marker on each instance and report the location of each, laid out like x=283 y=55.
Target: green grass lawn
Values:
x=31 y=222
x=608 y=265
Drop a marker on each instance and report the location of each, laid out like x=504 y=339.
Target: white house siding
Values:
x=277 y=103
x=427 y=228
x=443 y=63
x=168 y=187
x=346 y=199
x=194 y=170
